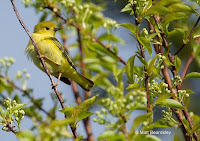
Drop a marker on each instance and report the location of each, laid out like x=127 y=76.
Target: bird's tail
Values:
x=84 y=82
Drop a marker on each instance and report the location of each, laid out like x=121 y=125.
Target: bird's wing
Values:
x=62 y=49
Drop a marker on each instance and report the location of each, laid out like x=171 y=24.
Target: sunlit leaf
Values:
x=130 y=27
x=88 y=103
x=111 y=37
x=193 y=75
x=162 y=97
x=140 y=119
x=177 y=63
x=127 y=8
x=157 y=10
x=19 y=106
x=170 y=103
x=111 y=136
x=133 y=86
x=84 y=114
x=146 y=44
x=129 y=68
x=68 y=111
x=180 y=7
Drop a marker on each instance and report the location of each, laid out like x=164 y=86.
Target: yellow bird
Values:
x=55 y=56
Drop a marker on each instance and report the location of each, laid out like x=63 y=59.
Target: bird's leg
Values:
x=42 y=56
x=59 y=76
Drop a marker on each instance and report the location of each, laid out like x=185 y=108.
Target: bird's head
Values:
x=46 y=27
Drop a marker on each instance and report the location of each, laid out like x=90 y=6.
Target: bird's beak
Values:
x=56 y=29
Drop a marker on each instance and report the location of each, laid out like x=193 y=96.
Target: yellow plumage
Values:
x=56 y=58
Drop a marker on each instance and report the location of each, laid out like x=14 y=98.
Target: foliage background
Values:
x=14 y=40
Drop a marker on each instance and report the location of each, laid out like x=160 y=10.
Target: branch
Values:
x=10 y=128
x=43 y=63
x=117 y=56
x=86 y=121
x=179 y=114
x=188 y=38
x=143 y=56
x=192 y=55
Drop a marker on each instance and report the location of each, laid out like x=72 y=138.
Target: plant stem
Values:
x=188 y=38
x=43 y=63
x=143 y=56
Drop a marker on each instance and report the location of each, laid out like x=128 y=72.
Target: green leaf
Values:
x=111 y=136
x=140 y=119
x=180 y=7
x=133 y=86
x=144 y=62
x=111 y=37
x=2 y=113
x=193 y=75
x=139 y=70
x=95 y=67
x=79 y=138
x=196 y=35
x=147 y=6
x=171 y=103
x=186 y=124
x=19 y=106
x=177 y=32
x=146 y=44
x=127 y=8
x=177 y=63
x=176 y=137
x=88 y=103
x=140 y=137
x=161 y=123
x=157 y=10
x=175 y=16
x=168 y=2
x=151 y=65
x=162 y=97
x=189 y=92
x=195 y=128
x=84 y=114
x=68 y=111
x=25 y=135
x=131 y=27
x=129 y=68
x=62 y=122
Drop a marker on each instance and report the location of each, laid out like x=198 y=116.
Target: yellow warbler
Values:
x=56 y=58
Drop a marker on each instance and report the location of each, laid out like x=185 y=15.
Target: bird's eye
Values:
x=47 y=28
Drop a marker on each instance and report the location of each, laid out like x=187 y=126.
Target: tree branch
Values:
x=43 y=63
x=10 y=128
x=188 y=38
x=143 y=56
x=179 y=114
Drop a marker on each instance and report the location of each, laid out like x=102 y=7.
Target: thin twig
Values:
x=143 y=56
x=43 y=63
x=98 y=41
x=10 y=128
x=86 y=121
x=192 y=55
x=188 y=38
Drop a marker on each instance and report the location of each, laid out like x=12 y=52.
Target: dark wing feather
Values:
x=62 y=49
